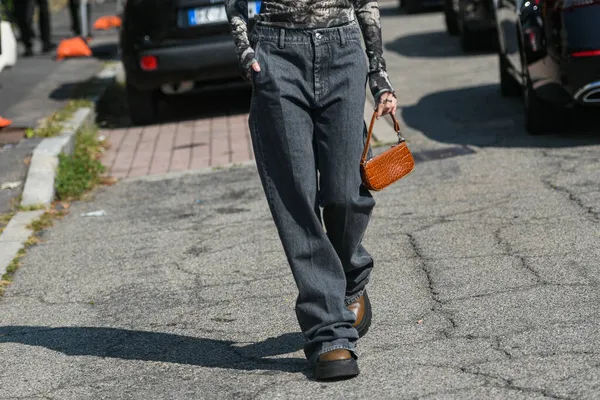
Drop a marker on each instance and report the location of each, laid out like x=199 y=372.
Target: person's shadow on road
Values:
x=162 y=347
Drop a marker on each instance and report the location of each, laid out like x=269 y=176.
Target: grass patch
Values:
x=31 y=208
x=81 y=171
x=13 y=266
x=4 y=220
x=72 y=106
x=53 y=125
x=43 y=222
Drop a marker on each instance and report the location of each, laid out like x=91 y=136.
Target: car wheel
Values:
x=509 y=86
x=412 y=6
x=451 y=19
x=142 y=104
x=540 y=117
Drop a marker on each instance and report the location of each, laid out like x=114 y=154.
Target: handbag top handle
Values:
x=363 y=159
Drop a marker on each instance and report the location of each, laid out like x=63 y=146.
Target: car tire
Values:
x=142 y=104
x=540 y=117
x=412 y=6
x=509 y=86
x=451 y=19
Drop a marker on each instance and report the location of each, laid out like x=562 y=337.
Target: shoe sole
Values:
x=365 y=323
x=332 y=370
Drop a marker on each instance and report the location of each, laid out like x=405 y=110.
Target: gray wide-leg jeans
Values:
x=307 y=126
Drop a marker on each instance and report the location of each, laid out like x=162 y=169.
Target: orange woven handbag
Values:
x=389 y=166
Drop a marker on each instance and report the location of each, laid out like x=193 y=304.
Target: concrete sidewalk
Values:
x=486 y=286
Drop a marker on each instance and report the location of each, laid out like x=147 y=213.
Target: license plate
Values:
x=215 y=14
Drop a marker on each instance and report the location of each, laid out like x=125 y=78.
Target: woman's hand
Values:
x=255 y=66
x=387 y=104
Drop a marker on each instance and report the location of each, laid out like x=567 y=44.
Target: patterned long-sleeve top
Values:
x=314 y=14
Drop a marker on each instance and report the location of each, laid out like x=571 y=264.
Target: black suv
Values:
x=549 y=51
x=174 y=46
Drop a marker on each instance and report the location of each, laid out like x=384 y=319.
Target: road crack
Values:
x=438 y=305
x=519 y=289
x=524 y=264
x=492 y=380
x=589 y=211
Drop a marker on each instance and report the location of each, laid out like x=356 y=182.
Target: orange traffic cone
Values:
x=107 y=22
x=4 y=122
x=74 y=47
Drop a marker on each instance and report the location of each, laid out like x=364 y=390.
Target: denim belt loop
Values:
x=282 y=38
x=342 y=37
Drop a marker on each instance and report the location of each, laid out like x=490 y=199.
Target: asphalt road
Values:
x=486 y=283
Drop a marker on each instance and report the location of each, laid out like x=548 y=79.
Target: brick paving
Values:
x=178 y=146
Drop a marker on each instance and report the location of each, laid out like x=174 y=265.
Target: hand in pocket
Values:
x=255 y=66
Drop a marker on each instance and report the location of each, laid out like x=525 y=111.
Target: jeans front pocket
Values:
x=253 y=75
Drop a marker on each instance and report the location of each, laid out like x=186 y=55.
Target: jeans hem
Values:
x=353 y=298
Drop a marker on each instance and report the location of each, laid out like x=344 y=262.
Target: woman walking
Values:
x=308 y=71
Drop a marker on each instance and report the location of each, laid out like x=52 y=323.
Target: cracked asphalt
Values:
x=486 y=283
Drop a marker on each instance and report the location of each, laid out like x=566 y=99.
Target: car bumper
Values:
x=584 y=79
x=577 y=82
x=205 y=60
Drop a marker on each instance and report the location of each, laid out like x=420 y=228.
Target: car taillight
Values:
x=571 y=4
x=532 y=40
x=586 y=53
x=149 y=63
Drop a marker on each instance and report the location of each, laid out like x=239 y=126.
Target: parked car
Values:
x=415 y=6
x=474 y=21
x=549 y=50
x=175 y=46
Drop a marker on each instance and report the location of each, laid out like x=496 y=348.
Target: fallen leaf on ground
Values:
x=27 y=160
x=108 y=180
x=10 y=185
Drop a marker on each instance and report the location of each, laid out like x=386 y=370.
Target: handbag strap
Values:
x=370 y=134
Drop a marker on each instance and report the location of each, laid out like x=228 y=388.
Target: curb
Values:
x=39 y=183
x=15 y=235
